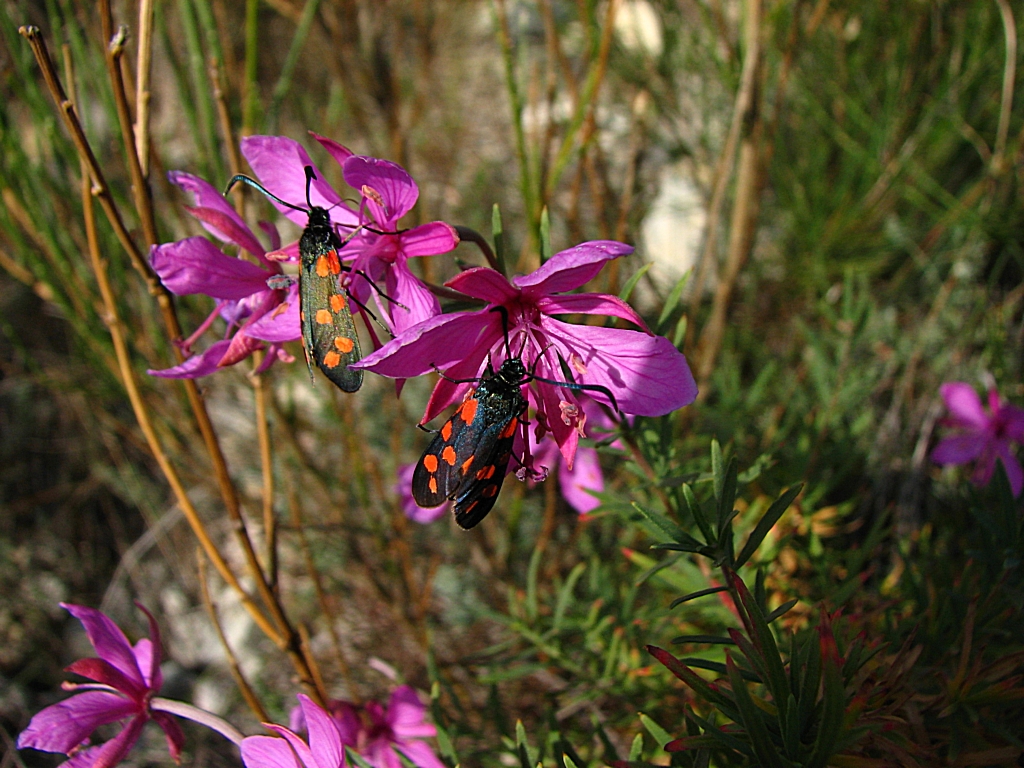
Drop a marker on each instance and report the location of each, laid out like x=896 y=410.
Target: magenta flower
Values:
x=575 y=483
x=324 y=750
x=375 y=732
x=645 y=373
x=125 y=679
x=387 y=193
x=410 y=508
x=983 y=436
x=254 y=312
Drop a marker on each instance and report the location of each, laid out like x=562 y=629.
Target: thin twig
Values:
x=236 y=670
x=1009 y=75
x=267 y=467
x=142 y=75
x=469 y=235
x=307 y=653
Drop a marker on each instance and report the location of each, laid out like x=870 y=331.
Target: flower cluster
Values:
x=982 y=435
x=377 y=733
x=125 y=679
x=259 y=313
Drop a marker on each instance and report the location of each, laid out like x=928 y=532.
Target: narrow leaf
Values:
x=498 y=233
x=666 y=526
x=695 y=595
x=781 y=610
x=752 y=718
x=727 y=499
x=765 y=524
x=627 y=289
x=673 y=299
x=717 y=468
x=695 y=509
x=708 y=639
x=636 y=749
x=661 y=736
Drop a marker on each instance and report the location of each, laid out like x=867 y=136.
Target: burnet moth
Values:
x=468 y=458
x=328 y=329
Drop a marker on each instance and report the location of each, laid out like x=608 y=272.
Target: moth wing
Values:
x=484 y=477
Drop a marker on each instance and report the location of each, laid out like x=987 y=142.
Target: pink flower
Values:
x=375 y=732
x=125 y=679
x=984 y=436
x=254 y=312
x=575 y=483
x=324 y=750
x=387 y=193
x=645 y=373
x=412 y=510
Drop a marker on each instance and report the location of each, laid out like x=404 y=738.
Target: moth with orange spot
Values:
x=328 y=330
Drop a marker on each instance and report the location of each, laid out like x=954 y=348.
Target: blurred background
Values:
x=826 y=202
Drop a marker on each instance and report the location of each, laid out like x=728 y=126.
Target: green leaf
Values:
x=833 y=706
x=661 y=736
x=636 y=749
x=498 y=233
x=522 y=748
x=680 y=334
x=727 y=499
x=531 y=584
x=545 y=235
x=673 y=298
x=717 y=468
x=666 y=526
x=697 y=511
x=781 y=610
x=700 y=686
x=765 y=524
x=764 y=642
x=695 y=595
x=627 y=289
x=356 y=758
x=709 y=639
x=653 y=570
x=565 y=595
x=719 y=667
x=752 y=719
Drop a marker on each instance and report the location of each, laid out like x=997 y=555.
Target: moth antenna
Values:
x=504 y=327
x=309 y=181
x=256 y=185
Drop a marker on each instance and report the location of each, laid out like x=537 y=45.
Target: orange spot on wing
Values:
x=331 y=359
x=323 y=269
x=469 y=509
x=332 y=262
x=469 y=410
x=432 y=485
x=486 y=473
x=430 y=462
x=446 y=431
x=343 y=344
x=323 y=317
x=489 y=491
x=510 y=429
x=466 y=464
x=448 y=454
x=337 y=302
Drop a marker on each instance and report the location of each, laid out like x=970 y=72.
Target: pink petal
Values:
x=647 y=375
x=242 y=345
x=959 y=449
x=440 y=341
x=63 y=726
x=568 y=270
x=272 y=234
x=195 y=265
x=448 y=393
x=419 y=754
x=298 y=746
x=281 y=323
x=964 y=404
x=1013 y=469
x=114 y=751
x=172 y=733
x=339 y=152
x=147 y=651
x=104 y=672
x=288 y=253
x=404 y=287
x=229 y=227
x=324 y=738
x=109 y=641
x=591 y=304
x=279 y=163
x=379 y=754
x=584 y=476
x=83 y=758
x=268 y=752
x=484 y=283
x=547 y=401
x=198 y=365
x=429 y=239
x=406 y=714
x=391 y=181
x=218 y=222
x=1013 y=419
